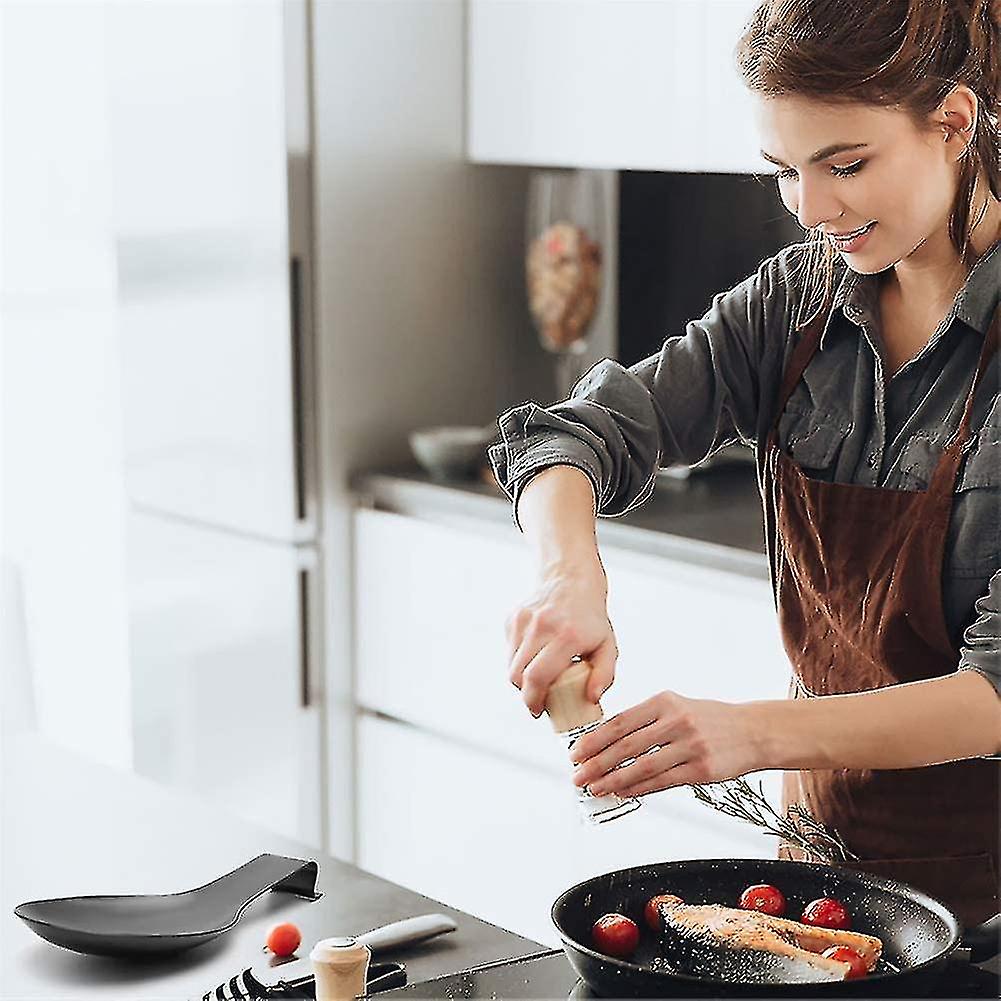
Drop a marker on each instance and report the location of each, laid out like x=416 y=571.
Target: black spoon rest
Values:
x=158 y=924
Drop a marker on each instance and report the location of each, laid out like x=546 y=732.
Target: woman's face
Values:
x=890 y=177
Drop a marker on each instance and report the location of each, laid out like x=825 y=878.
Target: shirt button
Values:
x=873 y=457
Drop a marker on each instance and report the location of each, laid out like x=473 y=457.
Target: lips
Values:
x=851 y=234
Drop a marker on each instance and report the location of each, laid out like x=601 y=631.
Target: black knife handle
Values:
x=246 y=987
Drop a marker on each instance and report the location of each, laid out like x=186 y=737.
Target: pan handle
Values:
x=984 y=940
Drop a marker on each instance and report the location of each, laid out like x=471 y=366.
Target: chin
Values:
x=863 y=267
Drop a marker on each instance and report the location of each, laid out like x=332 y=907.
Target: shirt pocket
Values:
x=974 y=541
x=975 y=529
x=814 y=441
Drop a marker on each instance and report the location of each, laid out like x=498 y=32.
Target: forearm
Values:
x=556 y=511
x=902 y=726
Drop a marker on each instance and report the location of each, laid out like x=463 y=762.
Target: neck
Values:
x=930 y=276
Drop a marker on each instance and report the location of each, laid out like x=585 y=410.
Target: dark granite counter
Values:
x=711 y=519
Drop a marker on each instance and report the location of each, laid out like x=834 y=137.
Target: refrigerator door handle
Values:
x=303 y=396
x=296 y=310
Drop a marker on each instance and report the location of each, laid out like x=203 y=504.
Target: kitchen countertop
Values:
x=711 y=519
x=70 y=826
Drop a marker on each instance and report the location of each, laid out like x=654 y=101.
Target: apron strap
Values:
x=946 y=473
x=987 y=352
x=801 y=355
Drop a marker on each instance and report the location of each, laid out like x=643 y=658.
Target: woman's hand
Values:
x=566 y=617
x=675 y=741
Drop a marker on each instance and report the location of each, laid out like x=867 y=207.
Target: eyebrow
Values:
x=821 y=154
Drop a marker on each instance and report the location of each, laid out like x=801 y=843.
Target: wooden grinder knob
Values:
x=567 y=704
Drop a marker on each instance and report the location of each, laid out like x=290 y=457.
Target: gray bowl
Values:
x=452 y=453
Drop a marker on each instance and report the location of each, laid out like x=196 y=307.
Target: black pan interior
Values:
x=915 y=929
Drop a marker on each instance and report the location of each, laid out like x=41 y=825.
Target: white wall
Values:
x=63 y=500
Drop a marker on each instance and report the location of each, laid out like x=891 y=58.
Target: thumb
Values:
x=602 y=669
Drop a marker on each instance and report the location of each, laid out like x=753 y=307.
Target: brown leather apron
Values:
x=856 y=573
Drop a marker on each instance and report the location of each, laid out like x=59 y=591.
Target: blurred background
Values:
x=250 y=248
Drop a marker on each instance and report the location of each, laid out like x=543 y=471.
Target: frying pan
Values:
x=919 y=933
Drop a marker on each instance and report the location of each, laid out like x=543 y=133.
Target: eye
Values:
x=848 y=170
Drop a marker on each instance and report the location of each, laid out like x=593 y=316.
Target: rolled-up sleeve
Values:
x=981 y=648
x=699 y=393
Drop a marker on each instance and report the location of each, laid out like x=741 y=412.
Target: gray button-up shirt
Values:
x=716 y=384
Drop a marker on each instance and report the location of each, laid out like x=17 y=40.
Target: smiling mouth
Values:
x=845 y=237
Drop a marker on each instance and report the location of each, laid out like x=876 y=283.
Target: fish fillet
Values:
x=757 y=948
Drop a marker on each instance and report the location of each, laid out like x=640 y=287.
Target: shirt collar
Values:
x=978 y=298
x=857 y=295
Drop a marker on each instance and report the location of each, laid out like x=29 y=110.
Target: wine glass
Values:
x=565 y=236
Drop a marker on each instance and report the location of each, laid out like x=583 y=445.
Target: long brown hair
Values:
x=893 y=53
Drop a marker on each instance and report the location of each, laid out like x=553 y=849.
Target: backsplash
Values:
x=682 y=239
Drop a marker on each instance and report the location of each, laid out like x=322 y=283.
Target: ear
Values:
x=957 y=114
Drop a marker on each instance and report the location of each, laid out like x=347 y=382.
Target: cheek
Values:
x=919 y=202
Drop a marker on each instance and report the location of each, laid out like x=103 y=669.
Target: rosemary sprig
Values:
x=737 y=799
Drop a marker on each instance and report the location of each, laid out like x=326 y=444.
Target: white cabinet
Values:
x=616 y=84
x=496 y=838
x=217 y=686
x=471 y=770
x=430 y=604
x=703 y=633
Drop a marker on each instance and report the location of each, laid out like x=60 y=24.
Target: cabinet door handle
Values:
x=305 y=646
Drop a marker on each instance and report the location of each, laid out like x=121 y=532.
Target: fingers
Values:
x=639 y=742
x=538 y=629
x=683 y=774
x=615 y=729
x=602 y=668
x=551 y=661
x=514 y=630
x=646 y=769
x=541 y=645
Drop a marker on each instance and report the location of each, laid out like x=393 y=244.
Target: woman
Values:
x=862 y=366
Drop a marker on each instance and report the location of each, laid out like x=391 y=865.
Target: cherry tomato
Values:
x=284 y=939
x=651 y=913
x=615 y=935
x=765 y=898
x=845 y=955
x=826 y=913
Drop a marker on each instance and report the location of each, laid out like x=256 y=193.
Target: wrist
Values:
x=757 y=727
x=571 y=565
x=782 y=734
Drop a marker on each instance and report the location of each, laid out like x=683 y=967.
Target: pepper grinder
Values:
x=340 y=966
x=572 y=715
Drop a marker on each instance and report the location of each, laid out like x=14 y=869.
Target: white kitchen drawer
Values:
x=430 y=605
x=599 y=83
x=496 y=838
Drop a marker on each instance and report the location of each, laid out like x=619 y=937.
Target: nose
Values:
x=814 y=203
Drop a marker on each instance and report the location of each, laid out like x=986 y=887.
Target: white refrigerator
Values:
x=212 y=207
